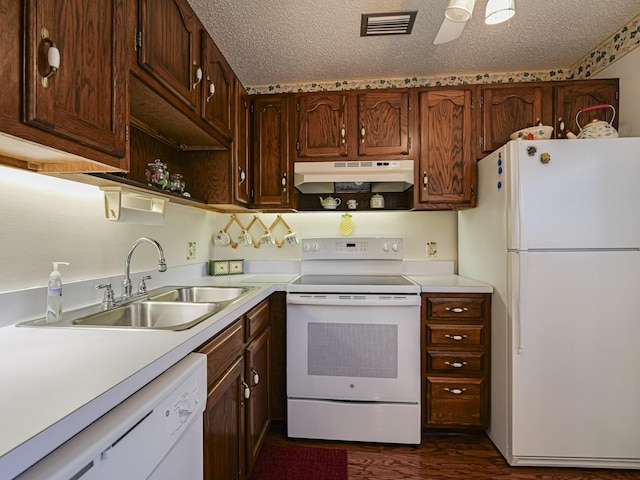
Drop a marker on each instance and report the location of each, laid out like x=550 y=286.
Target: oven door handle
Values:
x=392 y=300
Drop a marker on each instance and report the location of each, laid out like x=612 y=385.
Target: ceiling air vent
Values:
x=397 y=23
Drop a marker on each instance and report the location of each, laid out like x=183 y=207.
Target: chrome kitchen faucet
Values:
x=162 y=266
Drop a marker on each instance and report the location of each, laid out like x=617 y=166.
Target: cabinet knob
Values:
x=53 y=58
x=212 y=89
x=256 y=377
x=283 y=181
x=243 y=176
x=343 y=133
x=362 y=133
x=198 y=74
x=246 y=390
x=425 y=180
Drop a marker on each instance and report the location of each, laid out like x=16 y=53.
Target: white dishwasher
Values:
x=157 y=434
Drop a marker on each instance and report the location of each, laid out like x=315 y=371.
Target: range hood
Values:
x=355 y=176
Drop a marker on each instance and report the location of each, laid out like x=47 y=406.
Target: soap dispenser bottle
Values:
x=54 y=295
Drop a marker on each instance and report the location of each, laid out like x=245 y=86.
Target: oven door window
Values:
x=352 y=350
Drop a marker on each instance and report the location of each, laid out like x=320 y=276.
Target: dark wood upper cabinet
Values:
x=571 y=97
x=241 y=146
x=507 y=109
x=181 y=85
x=169 y=49
x=322 y=125
x=447 y=166
x=352 y=125
x=271 y=172
x=383 y=123
x=217 y=88
x=85 y=98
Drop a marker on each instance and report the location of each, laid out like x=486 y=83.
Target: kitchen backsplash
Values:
x=613 y=48
x=418 y=229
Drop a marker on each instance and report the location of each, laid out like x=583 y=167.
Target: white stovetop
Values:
x=56 y=381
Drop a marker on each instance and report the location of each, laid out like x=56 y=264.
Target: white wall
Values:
x=47 y=218
x=627 y=69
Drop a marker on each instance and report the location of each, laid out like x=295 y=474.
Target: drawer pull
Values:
x=456 y=364
x=455 y=337
x=456 y=309
x=456 y=391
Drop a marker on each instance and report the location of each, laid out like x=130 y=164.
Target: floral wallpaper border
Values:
x=612 y=49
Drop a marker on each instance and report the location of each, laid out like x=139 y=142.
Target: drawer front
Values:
x=447 y=308
x=222 y=350
x=460 y=335
x=257 y=319
x=455 y=402
x=463 y=363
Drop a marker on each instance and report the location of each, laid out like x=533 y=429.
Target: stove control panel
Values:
x=365 y=248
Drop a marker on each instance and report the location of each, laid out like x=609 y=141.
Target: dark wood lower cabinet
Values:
x=456 y=343
x=224 y=420
x=237 y=416
x=258 y=404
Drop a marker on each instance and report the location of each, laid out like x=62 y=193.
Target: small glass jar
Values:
x=177 y=183
x=157 y=174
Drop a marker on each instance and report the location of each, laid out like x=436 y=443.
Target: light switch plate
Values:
x=191 y=250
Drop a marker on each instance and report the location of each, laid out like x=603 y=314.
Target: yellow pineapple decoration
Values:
x=346 y=224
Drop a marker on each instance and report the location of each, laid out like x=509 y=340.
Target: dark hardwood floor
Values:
x=443 y=456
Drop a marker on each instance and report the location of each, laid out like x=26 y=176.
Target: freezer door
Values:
x=574 y=358
x=586 y=196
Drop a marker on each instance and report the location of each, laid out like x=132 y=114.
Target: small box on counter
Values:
x=226 y=267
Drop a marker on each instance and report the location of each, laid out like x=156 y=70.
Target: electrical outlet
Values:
x=191 y=250
x=432 y=249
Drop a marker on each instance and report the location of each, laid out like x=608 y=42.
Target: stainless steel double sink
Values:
x=168 y=308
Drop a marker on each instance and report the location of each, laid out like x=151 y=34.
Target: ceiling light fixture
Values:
x=459 y=10
x=499 y=11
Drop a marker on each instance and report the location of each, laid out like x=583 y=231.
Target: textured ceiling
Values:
x=295 y=41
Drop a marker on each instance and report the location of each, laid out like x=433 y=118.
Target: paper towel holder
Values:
x=129 y=206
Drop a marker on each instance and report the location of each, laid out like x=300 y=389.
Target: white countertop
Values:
x=56 y=381
x=450 y=284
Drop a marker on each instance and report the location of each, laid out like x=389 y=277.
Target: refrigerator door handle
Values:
x=522 y=294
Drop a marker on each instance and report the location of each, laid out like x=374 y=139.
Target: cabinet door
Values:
x=322 y=125
x=383 y=123
x=270 y=151
x=507 y=109
x=86 y=98
x=168 y=47
x=241 y=152
x=447 y=163
x=571 y=97
x=258 y=404
x=217 y=88
x=224 y=426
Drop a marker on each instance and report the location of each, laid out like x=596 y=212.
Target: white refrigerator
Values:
x=556 y=231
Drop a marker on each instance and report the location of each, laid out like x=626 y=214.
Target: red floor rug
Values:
x=279 y=462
